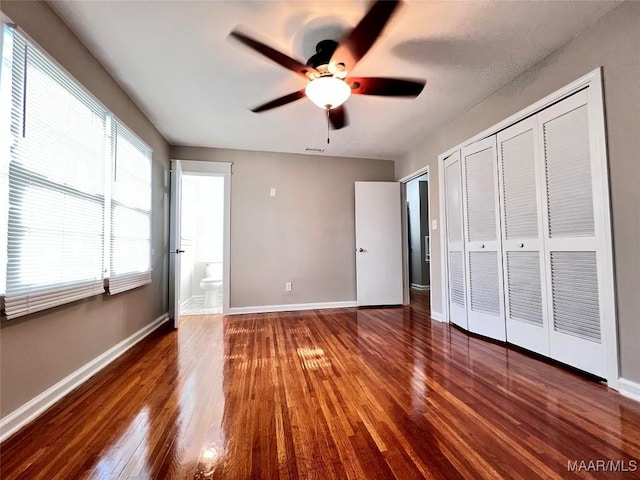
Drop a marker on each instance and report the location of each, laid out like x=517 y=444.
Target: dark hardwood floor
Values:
x=327 y=394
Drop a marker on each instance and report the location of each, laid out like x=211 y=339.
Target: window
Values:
x=75 y=188
x=130 y=214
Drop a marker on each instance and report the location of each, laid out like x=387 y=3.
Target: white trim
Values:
x=404 y=226
x=217 y=169
x=204 y=167
x=226 y=245
x=37 y=405
x=597 y=135
x=192 y=298
x=437 y=316
x=414 y=175
x=293 y=307
x=406 y=285
x=629 y=389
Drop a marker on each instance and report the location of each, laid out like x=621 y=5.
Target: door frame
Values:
x=406 y=281
x=216 y=169
x=593 y=82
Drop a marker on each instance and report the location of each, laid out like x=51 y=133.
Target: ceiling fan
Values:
x=328 y=71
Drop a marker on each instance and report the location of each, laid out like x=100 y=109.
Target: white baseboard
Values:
x=37 y=405
x=437 y=316
x=192 y=298
x=629 y=389
x=420 y=287
x=290 y=307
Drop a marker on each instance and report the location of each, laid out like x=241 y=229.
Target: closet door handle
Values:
x=521 y=245
x=482 y=246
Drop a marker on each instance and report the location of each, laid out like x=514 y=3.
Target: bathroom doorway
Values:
x=418 y=241
x=202 y=215
x=199 y=242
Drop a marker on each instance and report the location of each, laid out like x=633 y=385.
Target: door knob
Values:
x=179 y=251
x=522 y=245
x=360 y=250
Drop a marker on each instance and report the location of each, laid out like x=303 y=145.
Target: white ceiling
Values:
x=196 y=85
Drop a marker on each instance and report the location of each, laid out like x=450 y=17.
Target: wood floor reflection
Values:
x=346 y=393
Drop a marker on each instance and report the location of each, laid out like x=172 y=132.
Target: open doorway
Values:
x=199 y=238
x=202 y=216
x=418 y=240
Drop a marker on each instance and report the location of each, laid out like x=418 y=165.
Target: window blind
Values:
x=58 y=145
x=130 y=255
x=6 y=54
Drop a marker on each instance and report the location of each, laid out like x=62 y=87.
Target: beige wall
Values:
x=304 y=235
x=613 y=43
x=42 y=349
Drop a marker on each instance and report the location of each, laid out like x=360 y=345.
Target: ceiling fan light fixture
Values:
x=328 y=92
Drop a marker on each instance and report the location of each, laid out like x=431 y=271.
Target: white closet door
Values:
x=520 y=178
x=455 y=241
x=573 y=285
x=485 y=309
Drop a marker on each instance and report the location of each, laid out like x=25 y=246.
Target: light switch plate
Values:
x=273 y=191
x=434 y=224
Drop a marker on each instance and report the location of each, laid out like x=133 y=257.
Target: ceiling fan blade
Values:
x=388 y=87
x=273 y=54
x=360 y=39
x=338 y=117
x=278 y=102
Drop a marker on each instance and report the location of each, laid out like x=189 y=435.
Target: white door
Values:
x=174 y=242
x=576 y=267
x=485 y=308
x=520 y=178
x=378 y=243
x=455 y=241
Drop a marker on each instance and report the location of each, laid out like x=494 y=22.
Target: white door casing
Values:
x=457 y=296
x=485 y=305
x=520 y=178
x=197 y=168
x=174 y=242
x=378 y=235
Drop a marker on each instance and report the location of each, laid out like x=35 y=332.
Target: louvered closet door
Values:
x=570 y=236
x=455 y=241
x=485 y=310
x=520 y=176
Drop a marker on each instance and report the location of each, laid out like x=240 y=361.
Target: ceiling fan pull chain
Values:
x=328 y=121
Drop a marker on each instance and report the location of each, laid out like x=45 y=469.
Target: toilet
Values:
x=212 y=285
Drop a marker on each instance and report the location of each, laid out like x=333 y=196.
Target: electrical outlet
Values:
x=434 y=224
x=287 y=287
x=272 y=192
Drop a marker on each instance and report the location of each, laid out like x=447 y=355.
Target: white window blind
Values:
x=58 y=146
x=6 y=54
x=130 y=265
x=75 y=188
